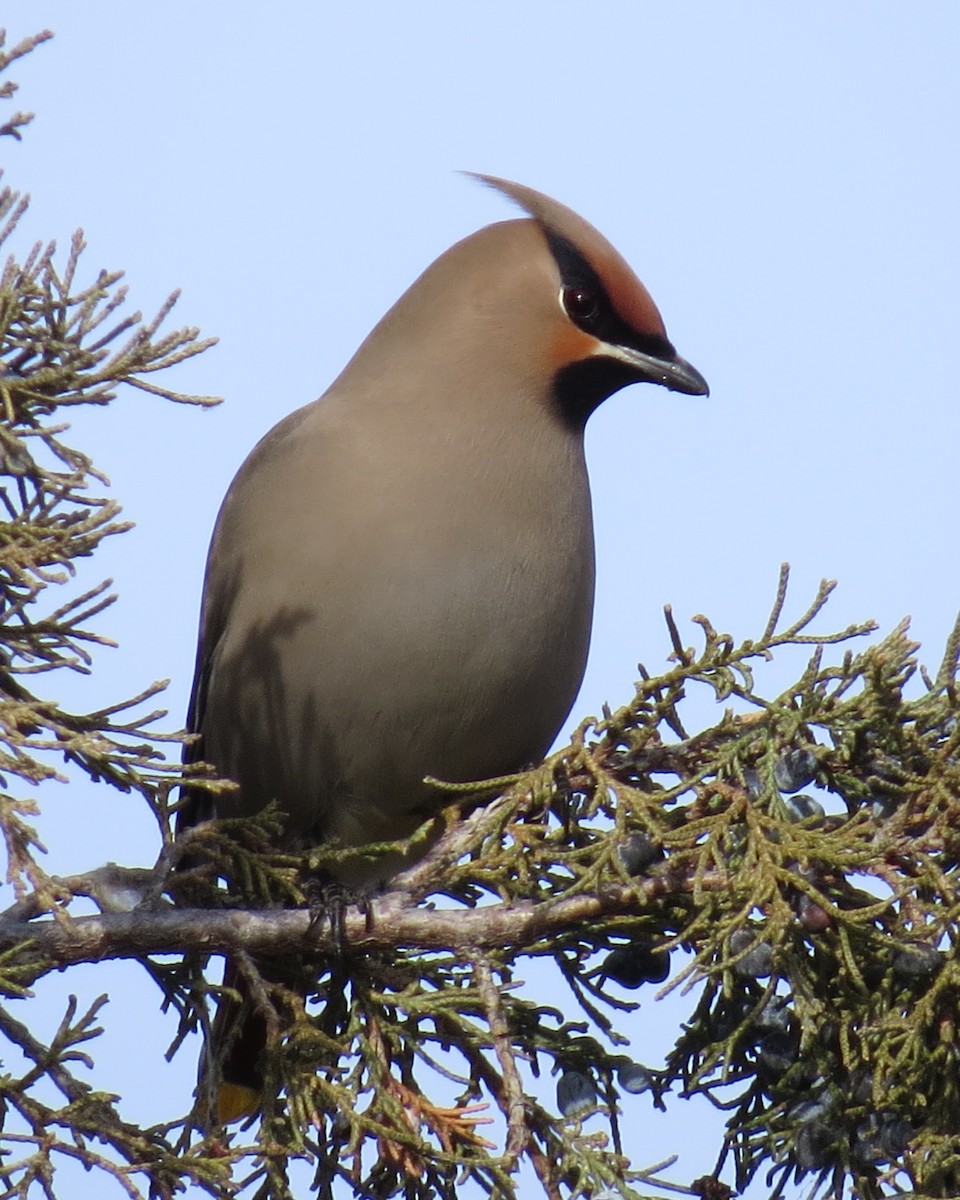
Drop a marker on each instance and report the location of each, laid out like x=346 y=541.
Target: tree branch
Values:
x=387 y=923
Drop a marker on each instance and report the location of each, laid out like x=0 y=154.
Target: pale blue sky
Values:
x=782 y=176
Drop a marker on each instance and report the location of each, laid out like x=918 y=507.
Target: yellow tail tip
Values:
x=236 y=1102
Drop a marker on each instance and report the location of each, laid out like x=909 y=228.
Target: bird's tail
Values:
x=231 y=1072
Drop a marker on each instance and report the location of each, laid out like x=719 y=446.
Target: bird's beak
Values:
x=673 y=373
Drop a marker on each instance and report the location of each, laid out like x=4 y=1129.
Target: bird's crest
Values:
x=629 y=298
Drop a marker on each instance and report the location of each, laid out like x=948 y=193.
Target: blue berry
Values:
x=638 y=854
x=575 y=1094
x=795 y=769
x=913 y=962
x=634 y=1078
x=777 y=1051
x=800 y=807
x=757 y=963
x=775 y=1014
x=632 y=966
x=880 y=1138
x=815 y=1145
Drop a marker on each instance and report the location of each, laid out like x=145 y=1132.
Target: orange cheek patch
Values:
x=569 y=345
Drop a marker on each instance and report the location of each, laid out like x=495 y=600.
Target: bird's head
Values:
x=600 y=328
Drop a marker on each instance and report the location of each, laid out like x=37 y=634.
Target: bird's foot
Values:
x=328 y=900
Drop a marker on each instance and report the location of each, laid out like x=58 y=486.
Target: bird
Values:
x=400 y=579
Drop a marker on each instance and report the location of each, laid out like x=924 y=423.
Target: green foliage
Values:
x=814 y=940
x=63 y=343
x=848 y=918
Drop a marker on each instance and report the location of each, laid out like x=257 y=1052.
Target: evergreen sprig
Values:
x=64 y=343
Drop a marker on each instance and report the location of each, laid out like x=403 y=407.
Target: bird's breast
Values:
x=436 y=625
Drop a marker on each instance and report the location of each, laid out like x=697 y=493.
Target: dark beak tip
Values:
x=687 y=379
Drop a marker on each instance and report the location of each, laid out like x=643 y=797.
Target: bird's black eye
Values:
x=580 y=303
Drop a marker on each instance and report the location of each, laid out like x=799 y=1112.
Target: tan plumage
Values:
x=400 y=581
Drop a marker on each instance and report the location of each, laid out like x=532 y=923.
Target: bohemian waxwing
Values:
x=400 y=580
